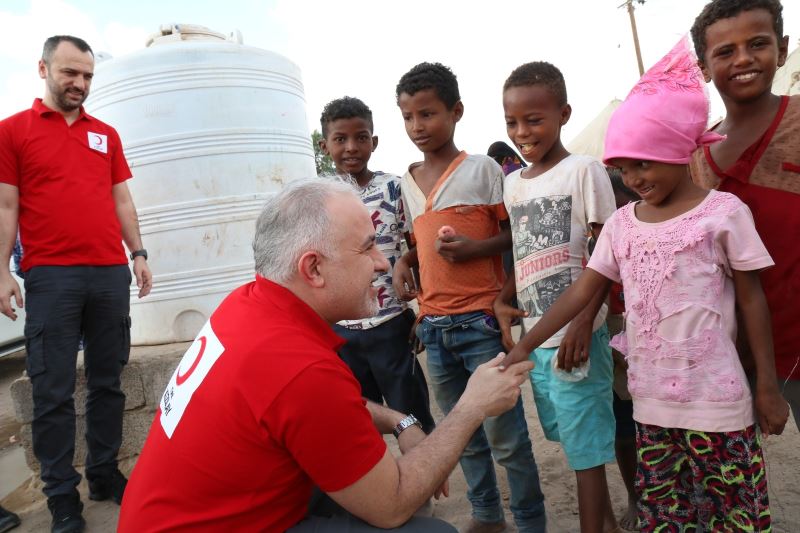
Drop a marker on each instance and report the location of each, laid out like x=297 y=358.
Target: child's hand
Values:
x=403 y=281
x=453 y=247
x=515 y=355
x=505 y=315
x=771 y=409
x=416 y=345
x=574 y=348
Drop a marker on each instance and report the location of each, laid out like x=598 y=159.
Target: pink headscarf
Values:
x=665 y=116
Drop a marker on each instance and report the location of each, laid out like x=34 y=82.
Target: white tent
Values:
x=787 y=78
x=591 y=139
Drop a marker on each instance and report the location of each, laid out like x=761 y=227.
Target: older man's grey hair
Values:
x=293 y=222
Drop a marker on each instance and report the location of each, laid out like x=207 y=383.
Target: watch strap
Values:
x=406 y=423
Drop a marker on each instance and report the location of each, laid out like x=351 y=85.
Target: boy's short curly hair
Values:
x=430 y=76
x=539 y=73
x=345 y=107
x=723 y=9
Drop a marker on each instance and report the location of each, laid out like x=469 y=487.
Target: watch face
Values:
x=405 y=423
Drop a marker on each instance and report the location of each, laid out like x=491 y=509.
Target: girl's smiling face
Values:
x=654 y=182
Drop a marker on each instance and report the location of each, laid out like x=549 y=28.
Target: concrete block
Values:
x=22 y=399
x=26 y=439
x=156 y=371
x=131 y=381
x=131 y=385
x=143 y=381
x=135 y=426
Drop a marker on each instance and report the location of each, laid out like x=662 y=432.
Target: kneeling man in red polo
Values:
x=261 y=416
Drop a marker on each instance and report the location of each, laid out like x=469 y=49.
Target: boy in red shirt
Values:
x=740 y=45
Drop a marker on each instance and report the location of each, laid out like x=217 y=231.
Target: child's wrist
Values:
x=767 y=384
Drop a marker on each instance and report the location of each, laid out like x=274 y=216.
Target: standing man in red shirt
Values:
x=62 y=179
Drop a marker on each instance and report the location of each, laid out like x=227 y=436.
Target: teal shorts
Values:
x=579 y=414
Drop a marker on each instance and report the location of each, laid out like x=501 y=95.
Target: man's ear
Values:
x=42 y=69
x=458 y=110
x=704 y=70
x=308 y=267
x=783 y=50
x=566 y=112
x=374 y=142
x=323 y=145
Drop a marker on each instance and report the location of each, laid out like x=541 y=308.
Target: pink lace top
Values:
x=680 y=323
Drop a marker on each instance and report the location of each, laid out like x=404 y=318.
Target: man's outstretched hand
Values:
x=493 y=391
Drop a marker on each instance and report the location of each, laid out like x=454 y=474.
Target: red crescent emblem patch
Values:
x=181 y=379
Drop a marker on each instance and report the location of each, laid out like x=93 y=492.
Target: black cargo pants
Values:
x=63 y=304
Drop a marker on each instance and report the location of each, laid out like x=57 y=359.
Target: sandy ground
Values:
x=558 y=482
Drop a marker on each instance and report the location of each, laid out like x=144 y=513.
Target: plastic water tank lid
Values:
x=171 y=33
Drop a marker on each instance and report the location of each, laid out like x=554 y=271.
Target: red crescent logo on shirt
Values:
x=181 y=379
x=98 y=140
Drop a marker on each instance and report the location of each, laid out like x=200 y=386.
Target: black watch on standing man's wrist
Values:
x=139 y=253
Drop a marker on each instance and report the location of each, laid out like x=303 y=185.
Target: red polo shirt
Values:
x=64 y=174
x=259 y=411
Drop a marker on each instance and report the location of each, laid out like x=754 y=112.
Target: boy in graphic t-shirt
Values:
x=553 y=205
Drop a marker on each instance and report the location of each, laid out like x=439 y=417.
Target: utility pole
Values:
x=629 y=5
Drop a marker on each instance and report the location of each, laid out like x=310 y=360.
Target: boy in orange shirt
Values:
x=454 y=208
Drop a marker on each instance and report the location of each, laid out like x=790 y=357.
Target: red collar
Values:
x=40 y=108
x=297 y=311
x=747 y=161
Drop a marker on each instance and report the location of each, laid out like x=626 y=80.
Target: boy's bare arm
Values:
x=459 y=248
x=565 y=308
x=574 y=348
x=505 y=313
x=772 y=409
x=403 y=277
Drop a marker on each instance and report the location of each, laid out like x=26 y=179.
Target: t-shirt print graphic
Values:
x=541 y=229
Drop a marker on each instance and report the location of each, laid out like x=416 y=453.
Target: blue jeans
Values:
x=456 y=345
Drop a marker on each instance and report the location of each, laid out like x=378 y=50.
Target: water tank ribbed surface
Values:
x=210 y=129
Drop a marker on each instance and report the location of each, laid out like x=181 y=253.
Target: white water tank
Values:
x=210 y=128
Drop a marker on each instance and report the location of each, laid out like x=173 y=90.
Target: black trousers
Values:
x=384 y=363
x=63 y=304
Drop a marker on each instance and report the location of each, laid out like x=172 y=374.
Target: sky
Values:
x=361 y=48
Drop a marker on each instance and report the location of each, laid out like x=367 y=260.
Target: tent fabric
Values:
x=787 y=78
x=591 y=140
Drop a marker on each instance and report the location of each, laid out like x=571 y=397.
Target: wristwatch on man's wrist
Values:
x=406 y=423
x=139 y=253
